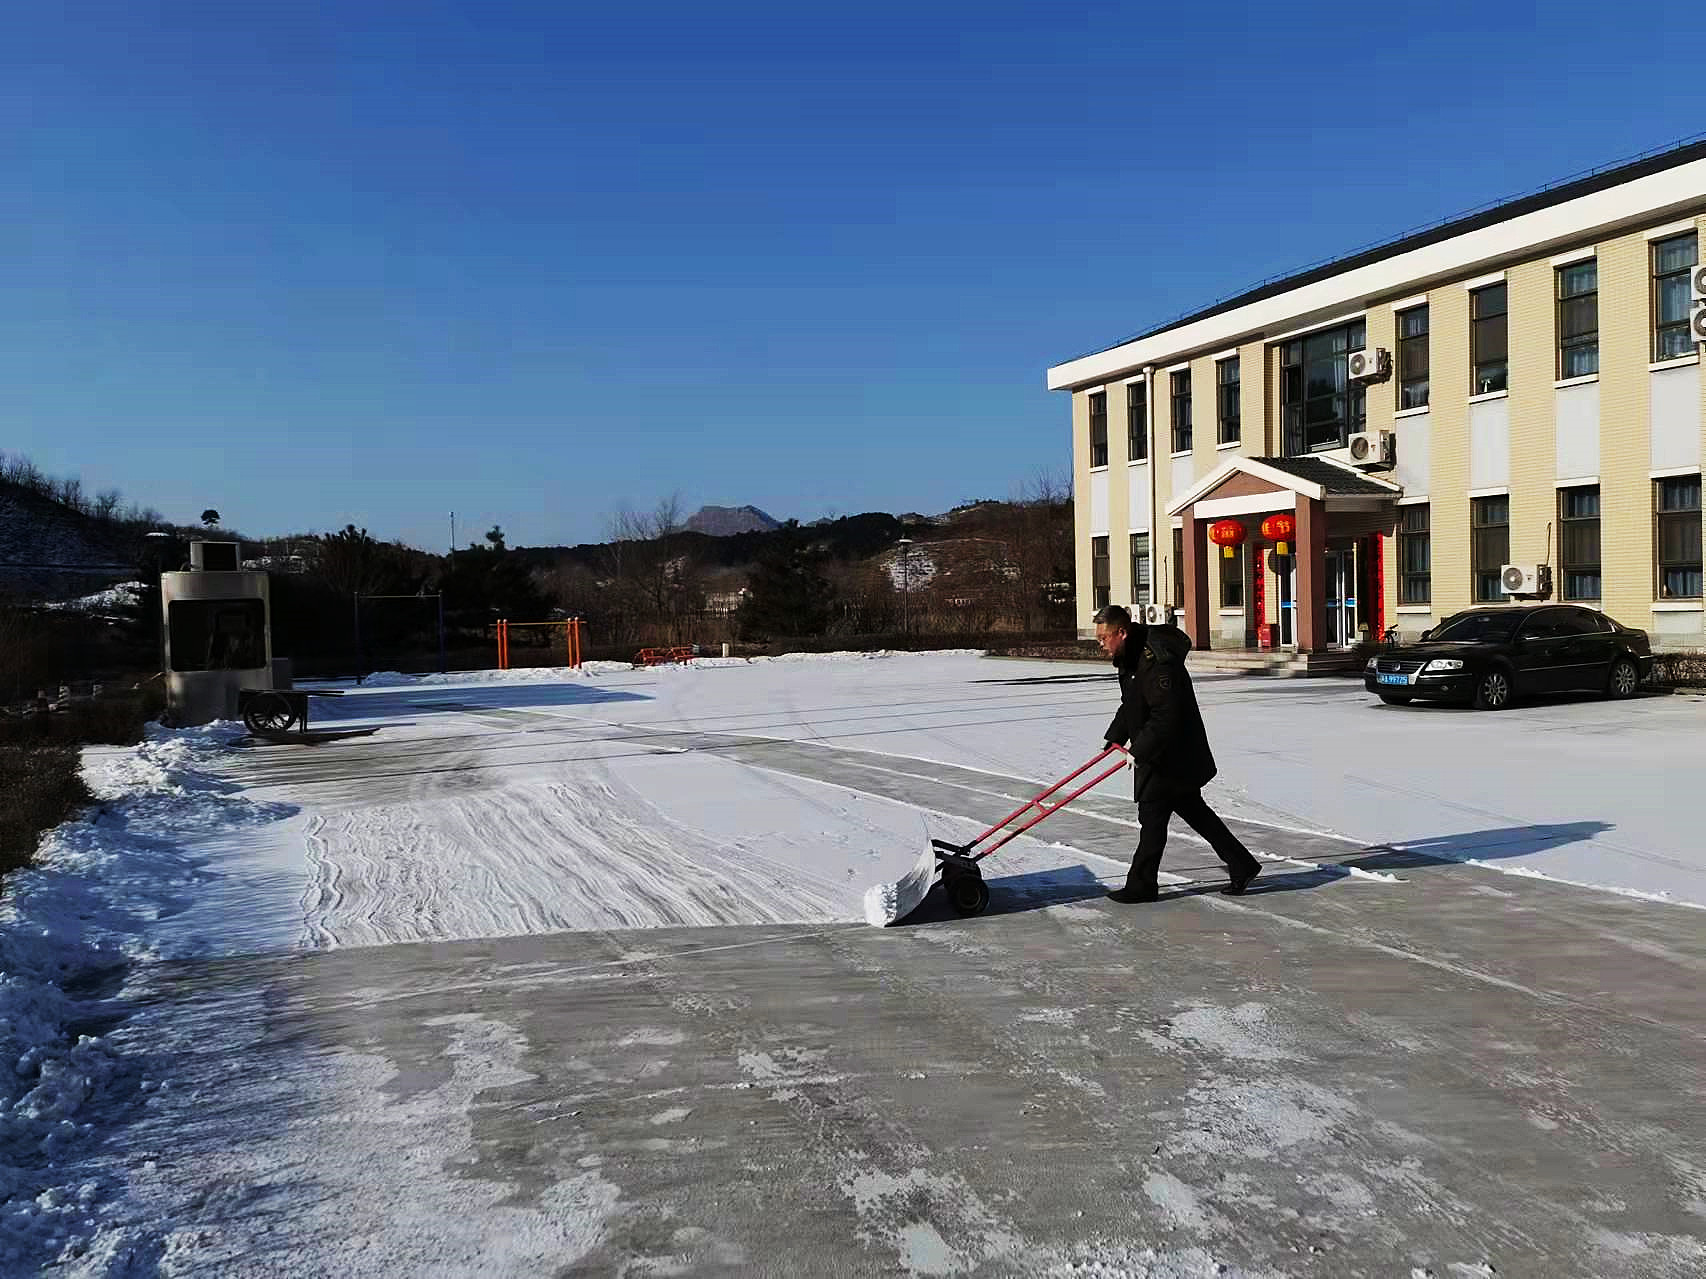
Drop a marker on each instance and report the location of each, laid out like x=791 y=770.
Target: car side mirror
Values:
x=1428 y=634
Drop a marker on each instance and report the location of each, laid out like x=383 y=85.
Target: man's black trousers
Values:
x=1153 y=816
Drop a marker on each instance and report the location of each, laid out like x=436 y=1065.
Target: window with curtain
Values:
x=1413 y=358
x=1673 y=259
x=1676 y=543
x=1578 y=319
x=1489 y=544
x=1415 y=554
x=1488 y=351
x=1578 y=542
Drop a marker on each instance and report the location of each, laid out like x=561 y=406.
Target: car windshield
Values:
x=1478 y=627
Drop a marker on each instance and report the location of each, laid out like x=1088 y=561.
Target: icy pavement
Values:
x=1311 y=1080
x=201 y=1086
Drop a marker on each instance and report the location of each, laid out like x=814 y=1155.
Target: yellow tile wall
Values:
x=1448 y=484
x=1625 y=416
x=1531 y=294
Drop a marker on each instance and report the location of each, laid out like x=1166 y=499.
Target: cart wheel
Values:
x=268 y=713
x=967 y=894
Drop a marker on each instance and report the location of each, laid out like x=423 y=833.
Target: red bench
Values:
x=662 y=656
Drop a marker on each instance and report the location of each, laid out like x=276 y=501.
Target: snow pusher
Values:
x=962 y=881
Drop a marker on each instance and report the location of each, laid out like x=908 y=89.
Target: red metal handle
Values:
x=1046 y=809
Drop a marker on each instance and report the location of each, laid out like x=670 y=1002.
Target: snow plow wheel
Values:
x=268 y=713
x=967 y=894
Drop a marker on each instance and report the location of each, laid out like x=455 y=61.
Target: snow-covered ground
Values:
x=533 y=802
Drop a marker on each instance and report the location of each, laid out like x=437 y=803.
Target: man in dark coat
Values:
x=1159 y=724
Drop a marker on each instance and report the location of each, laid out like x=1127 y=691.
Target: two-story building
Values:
x=1446 y=418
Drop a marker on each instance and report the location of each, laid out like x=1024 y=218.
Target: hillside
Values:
x=49 y=551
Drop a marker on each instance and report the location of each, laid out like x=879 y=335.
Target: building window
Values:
x=1490 y=544
x=1232 y=578
x=1678 y=537
x=1578 y=542
x=1226 y=396
x=1413 y=358
x=1578 y=319
x=1099 y=572
x=1136 y=421
x=1673 y=259
x=1487 y=348
x=1178 y=568
x=1319 y=405
x=1099 y=429
x=1182 y=411
x=1415 y=555
x=1140 y=589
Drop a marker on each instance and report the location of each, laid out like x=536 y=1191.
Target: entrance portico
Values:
x=1325 y=593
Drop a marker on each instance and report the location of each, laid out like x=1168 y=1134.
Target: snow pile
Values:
x=114 y=599
x=74 y=922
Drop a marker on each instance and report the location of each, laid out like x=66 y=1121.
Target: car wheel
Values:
x=1395 y=699
x=1625 y=679
x=1493 y=691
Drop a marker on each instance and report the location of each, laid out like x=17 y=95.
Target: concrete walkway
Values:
x=1466 y=1074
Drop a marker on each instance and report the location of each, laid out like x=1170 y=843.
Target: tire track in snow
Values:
x=533 y=859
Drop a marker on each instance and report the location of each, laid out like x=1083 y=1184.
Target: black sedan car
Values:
x=1489 y=655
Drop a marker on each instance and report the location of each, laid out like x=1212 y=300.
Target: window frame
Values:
x=1567 y=567
x=1231 y=576
x=1098 y=429
x=1676 y=514
x=1582 y=343
x=1659 y=325
x=1179 y=386
x=1297 y=400
x=1407 y=344
x=1142 y=581
x=1178 y=600
x=1101 y=583
x=1484 y=324
x=1137 y=421
x=1409 y=579
x=1229 y=412
x=1477 y=570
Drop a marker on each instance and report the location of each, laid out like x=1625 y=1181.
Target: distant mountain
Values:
x=726 y=521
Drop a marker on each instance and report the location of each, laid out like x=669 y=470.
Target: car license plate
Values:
x=1394 y=679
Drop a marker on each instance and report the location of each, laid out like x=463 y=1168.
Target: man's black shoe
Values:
x=1130 y=896
x=1240 y=880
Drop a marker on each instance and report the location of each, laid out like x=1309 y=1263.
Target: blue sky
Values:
x=320 y=263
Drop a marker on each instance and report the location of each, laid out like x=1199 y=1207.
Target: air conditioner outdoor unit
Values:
x=1371 y=365
x=1527 y=581
x=1697 y=317
x=1373 y=448
x=1155 y=615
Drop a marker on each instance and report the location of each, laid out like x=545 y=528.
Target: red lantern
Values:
x=1228 y=535
x=1279 y=530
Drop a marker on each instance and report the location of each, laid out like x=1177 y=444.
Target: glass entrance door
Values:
x=1341 y=590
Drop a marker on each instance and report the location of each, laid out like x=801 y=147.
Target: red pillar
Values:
x=1311 y=574
x=1195 y=566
